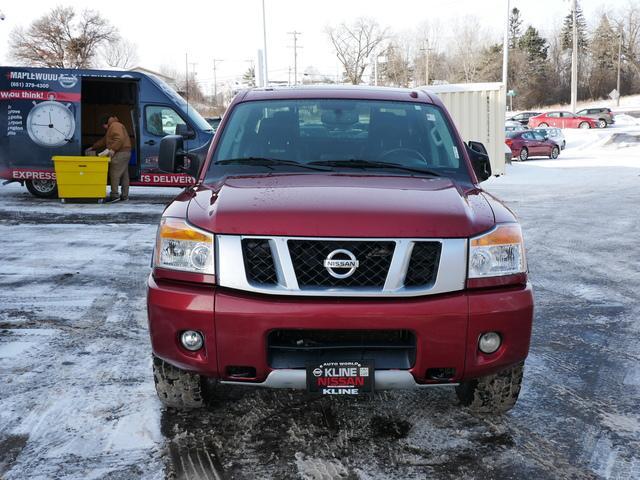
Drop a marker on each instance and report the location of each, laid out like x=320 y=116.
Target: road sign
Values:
x=511 y=93
x=614 y=94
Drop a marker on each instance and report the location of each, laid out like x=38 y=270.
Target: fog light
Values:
x=489 y=342
x=192 y=340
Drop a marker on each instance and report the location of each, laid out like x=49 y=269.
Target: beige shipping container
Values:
x=478 y=110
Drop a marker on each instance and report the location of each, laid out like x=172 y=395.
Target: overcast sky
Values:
x=231 y=30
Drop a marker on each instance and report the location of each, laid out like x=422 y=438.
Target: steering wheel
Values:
x=404 y=152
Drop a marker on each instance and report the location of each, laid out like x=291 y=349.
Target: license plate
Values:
x=341 y=378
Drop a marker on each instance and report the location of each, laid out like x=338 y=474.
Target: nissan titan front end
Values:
x=338 y=241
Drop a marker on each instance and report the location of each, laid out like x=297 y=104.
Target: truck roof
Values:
x=356 y=92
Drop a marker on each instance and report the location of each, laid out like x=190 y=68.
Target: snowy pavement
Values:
x=77 y=397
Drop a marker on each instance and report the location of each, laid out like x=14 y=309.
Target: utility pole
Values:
x=215 y=81
x=427 y=51
x=264 y=46
x=375 y=69
x=295 y=55
x=193 y=69
x=505 y=49
x=619 y=61
x=574 y=59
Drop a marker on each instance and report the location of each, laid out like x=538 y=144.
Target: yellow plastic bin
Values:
x=81 y=177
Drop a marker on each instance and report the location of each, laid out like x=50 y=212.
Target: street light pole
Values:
x=264 y=47
x=505 y=49
x=574 y=60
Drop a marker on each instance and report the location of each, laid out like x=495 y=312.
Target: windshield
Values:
x=316 y=135
x=194 y=117
x=197 y=119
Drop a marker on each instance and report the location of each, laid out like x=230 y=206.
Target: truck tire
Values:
x=177 y=388
x=495 y=393
x=42 y=188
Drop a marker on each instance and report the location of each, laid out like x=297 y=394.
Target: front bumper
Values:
x=236 y=326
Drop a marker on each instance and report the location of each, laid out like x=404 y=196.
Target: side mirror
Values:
x=185 y=132
x=479 y=160
x=173 y=159
x=171 y=155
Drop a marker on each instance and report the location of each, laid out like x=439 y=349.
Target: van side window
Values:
x=161 y=120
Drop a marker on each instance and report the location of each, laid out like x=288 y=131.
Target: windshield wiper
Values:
x=359 y=163
x=268 y=162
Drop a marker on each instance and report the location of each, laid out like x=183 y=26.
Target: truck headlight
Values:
x=497 y=253
x=180 y=246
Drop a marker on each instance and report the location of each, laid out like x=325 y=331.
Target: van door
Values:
x=158 y=121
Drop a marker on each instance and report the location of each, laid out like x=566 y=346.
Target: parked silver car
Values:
x=554 y=134
x=603 y=115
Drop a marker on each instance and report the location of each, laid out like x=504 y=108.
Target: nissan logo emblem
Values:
x=332 y=264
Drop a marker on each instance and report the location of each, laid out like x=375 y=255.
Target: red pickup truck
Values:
x=337 y=240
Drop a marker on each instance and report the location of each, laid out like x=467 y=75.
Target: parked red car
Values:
x=338 y=241
x=562 y=120
x=530 y=143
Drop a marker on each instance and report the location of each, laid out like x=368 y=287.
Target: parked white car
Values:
x=554 y=134
x=513 y=126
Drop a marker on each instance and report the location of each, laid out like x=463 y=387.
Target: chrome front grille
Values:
x=308 y=257
x=348 y=267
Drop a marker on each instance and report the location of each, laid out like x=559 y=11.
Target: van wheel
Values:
x=42 y=188
x=177 y=388
x=602 y=123
x=496 y=393
x=584 y=125
x=524 y=154
x=555 y=151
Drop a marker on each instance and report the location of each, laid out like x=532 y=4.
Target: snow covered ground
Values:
x=77 y=397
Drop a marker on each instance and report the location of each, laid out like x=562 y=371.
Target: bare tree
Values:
x=185 y=86
x=120 y=53
x=354 y=45
x=61 y=38
x=470 y=40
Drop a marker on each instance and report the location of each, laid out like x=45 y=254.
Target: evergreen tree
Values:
x=515 y=22
x=490 y=68
x=249 y=77
x=533 y=45
x=567 y=30
x=603 y=51
x=531 y=58
x=396 y=70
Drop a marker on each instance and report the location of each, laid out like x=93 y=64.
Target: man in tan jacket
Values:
x=118 y=146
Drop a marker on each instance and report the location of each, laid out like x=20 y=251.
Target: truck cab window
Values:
x=161 y=120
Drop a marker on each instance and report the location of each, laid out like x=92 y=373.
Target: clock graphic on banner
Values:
x=51 y=124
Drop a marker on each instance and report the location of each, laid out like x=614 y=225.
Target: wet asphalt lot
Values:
x=76 y=391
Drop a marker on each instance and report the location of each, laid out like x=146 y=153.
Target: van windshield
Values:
x=337 y=135
x=197 y=119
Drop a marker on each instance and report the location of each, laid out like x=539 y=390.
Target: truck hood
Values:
x=338 y=205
